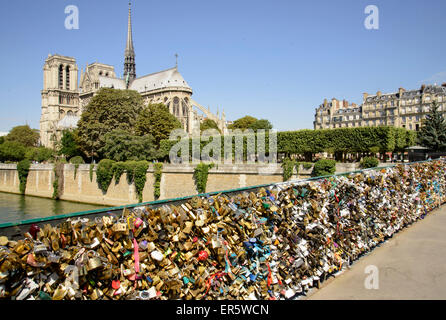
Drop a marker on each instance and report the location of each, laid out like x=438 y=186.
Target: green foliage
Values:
x=68 y=144
x=158 y=171
x=157 y=121
x=77 y=160
x=108 y=110
x=12 y=151
x=140 y=177
x=91 y=172
x=104 y=174
x=2 y=139
x=24 y=135
x=307 y=142
x=209 y=124
x=369 y=162
x=23 y=170
x=433 y=131
x=201 y=176
x=120 y=145
x=40 y=154
x=306 y=165
x=243 y=123
x=324 y=167
x=118 y=169
x=261 y=124
x=288 y=166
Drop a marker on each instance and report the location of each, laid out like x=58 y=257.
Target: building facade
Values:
x=64 y=96
x=404 y=109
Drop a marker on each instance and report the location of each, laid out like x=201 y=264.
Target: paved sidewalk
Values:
x=412 y=265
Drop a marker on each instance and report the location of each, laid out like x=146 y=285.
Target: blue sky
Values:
x=270 y=59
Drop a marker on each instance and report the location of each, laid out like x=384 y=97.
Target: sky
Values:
x=271 y=59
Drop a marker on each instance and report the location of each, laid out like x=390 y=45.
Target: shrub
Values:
x=76 y=161
x=118 y=169
x=288 y=166
x=140 y=177
x=201 y=176
x=104 y=174
x=369 y=162
x=324 y=167
x=23 y=170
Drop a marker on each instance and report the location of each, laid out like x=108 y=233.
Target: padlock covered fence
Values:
x=270 y=242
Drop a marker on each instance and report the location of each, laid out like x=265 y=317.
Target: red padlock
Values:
x=116 y=284
x=33 y=231
x=202 y=255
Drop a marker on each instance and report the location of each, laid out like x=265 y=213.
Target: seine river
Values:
x=16 y=207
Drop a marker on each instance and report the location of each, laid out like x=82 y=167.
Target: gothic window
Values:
x=61 y=77
x=70 y=113
x=184 y=109
x=176 y=106
x=67 y=76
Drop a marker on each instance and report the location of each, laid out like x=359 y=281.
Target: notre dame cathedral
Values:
x=64 y=97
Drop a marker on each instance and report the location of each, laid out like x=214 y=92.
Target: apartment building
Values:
x=404 y=109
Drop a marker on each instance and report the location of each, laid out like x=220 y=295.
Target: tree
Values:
x=157 y=121
x=25 y=135
x=243 y=123
x=122 y=146
x=12 y=151
x=208 y=124
x=261 y=124
x=68 y=144
x=40 y=154
x=109 y=110
x=2 y=139
x=433 y=131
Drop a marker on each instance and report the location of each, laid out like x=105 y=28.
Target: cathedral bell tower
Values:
x=129 y=56
x=60 y=96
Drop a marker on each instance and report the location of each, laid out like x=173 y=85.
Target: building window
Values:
x=61 y=77
x=67 y=78
x=176 y=106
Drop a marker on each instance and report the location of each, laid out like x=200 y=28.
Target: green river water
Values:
x=16 y=207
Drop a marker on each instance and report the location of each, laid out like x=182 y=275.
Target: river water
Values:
x=17 y=207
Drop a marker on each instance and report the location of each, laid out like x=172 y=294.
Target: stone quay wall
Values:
x=176 y=181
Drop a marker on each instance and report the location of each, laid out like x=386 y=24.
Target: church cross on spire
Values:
x=129 y=56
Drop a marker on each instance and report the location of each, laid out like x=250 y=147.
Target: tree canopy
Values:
x=108 y=110
x=12 y=151
x=157 y=121
x=248 y=122
x=208 y=124
x=68 y=144
x=122 y=146
x=243 y=123
x=433 y=131
x=24 y=135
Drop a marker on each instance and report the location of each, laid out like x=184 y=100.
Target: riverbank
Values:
x=80 y=185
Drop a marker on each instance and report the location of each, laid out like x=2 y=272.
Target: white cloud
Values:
x=437 y=78
x=2 y=134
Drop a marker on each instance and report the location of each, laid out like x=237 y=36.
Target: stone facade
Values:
x=404 y=109
x=64 y=97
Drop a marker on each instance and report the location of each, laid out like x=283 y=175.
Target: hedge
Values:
x=305 y=142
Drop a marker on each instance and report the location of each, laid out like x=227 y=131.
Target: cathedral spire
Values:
x=129 y=57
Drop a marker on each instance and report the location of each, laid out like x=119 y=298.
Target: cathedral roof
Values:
x=114 y=83
x=159 y=80
x=68 y=122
